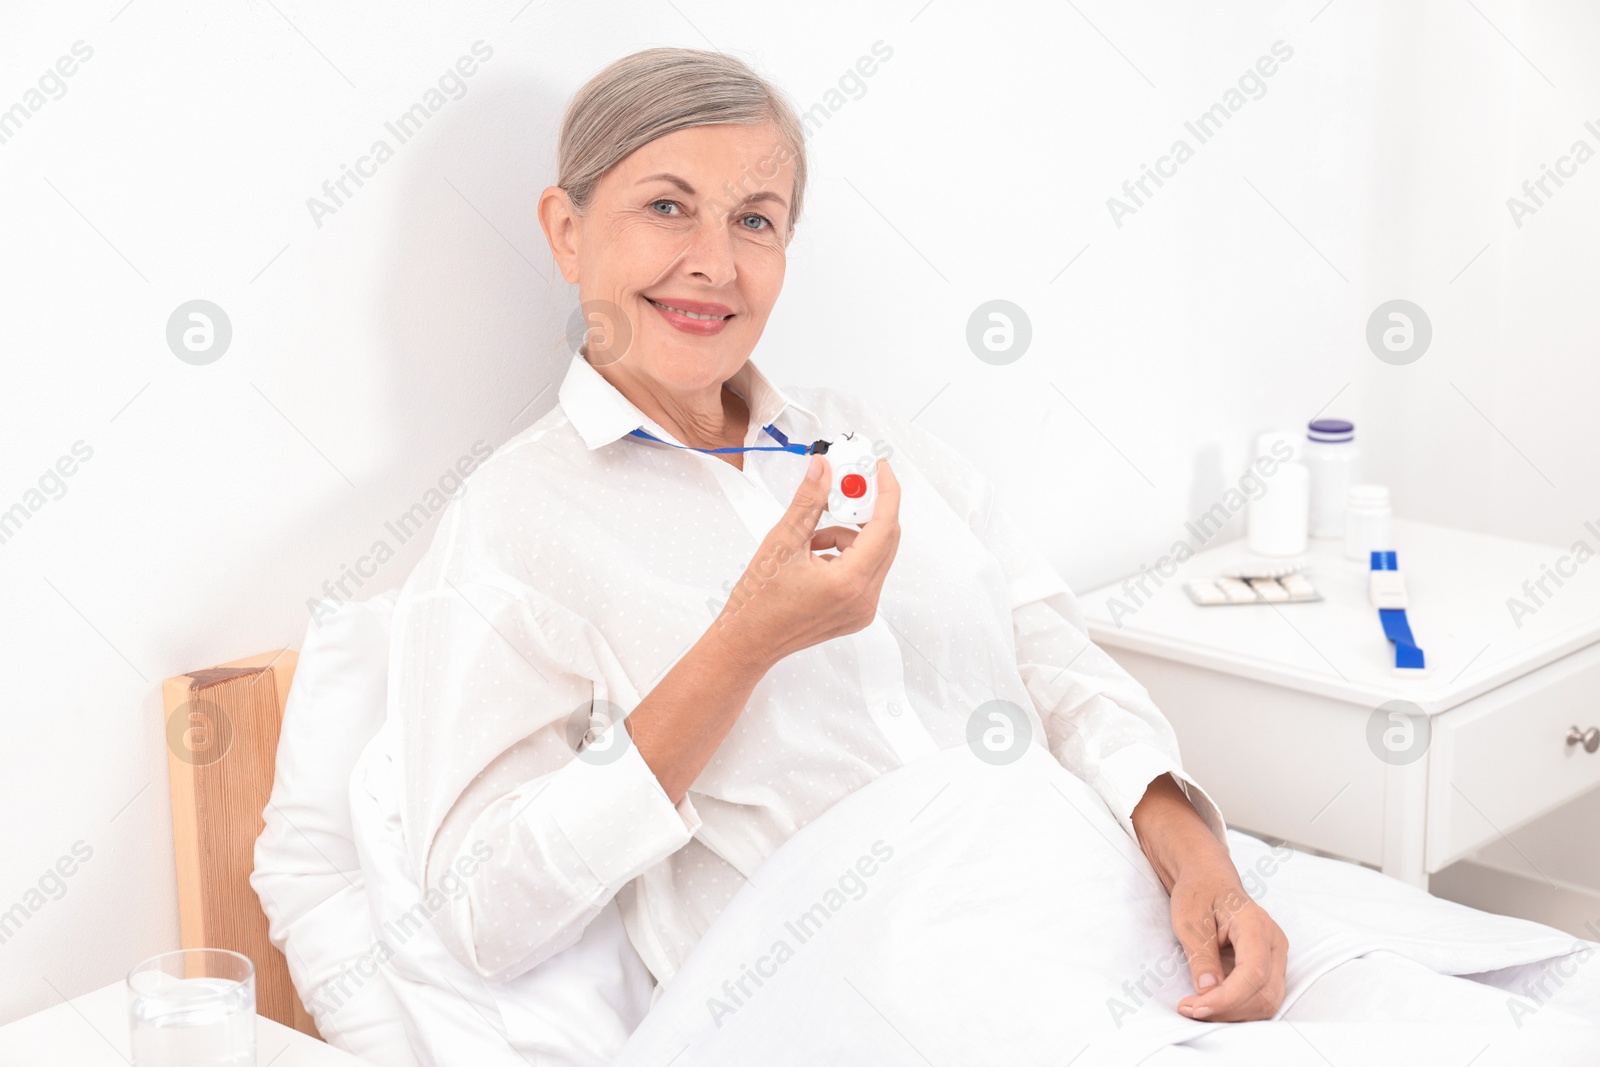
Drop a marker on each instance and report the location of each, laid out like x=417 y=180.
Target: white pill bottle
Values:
x=1332 y=460
x=1368 y=526
x=1277 y=519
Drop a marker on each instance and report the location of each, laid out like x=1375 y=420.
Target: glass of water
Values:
x=195 y=1007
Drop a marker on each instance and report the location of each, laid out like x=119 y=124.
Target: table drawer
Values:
x=1501 y=759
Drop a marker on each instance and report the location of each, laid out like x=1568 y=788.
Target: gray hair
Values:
x=658 y=91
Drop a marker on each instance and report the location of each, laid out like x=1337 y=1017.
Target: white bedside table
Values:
x=91 y=1030
x=1272 y=703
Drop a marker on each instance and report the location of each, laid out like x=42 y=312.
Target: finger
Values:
x=1246 y=992
x=1277 y=967
x=834 y=537
x=1197 y=933
x=888 y=503
x=810 y=499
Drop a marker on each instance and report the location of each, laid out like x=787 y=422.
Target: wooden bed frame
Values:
x=222 y=739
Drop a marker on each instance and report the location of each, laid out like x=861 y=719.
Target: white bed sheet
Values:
x=1385 y=1008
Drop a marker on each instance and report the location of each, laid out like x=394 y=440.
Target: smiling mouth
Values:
x=690 y=314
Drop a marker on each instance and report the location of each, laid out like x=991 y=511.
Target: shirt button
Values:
x=894 y=708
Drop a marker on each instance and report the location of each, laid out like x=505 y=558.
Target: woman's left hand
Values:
x=1211 y=912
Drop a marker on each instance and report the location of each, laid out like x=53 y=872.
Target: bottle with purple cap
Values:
x=1331 y=458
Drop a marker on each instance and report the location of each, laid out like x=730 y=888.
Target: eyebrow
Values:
x=689 y=189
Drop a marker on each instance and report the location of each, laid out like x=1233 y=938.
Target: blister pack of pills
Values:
x=1266 y=584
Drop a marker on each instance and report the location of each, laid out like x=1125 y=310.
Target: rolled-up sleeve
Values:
x=558 y=849
x=516 y=852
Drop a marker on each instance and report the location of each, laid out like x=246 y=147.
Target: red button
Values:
x=853 y=485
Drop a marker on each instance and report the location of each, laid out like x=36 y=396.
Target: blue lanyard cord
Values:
x=783 y=444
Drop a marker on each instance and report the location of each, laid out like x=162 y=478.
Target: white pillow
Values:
x=307 y=873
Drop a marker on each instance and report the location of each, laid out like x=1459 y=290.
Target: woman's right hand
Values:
x=789 y=598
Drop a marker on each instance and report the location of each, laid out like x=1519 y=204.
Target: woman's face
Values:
x=697 y=220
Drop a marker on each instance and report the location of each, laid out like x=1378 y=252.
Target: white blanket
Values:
x=957 y=913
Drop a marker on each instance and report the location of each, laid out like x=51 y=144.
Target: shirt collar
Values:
x=601 y=414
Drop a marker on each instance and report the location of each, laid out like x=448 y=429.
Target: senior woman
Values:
x=569 y=586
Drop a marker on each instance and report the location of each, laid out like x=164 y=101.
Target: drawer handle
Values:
x=1589 y=739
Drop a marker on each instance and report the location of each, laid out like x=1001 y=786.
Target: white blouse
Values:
x=576 y=567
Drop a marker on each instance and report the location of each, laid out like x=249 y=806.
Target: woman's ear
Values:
x=561 y=226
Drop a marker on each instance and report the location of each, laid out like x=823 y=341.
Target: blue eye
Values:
x=763 y=224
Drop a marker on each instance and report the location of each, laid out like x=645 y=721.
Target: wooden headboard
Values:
x=222 y=740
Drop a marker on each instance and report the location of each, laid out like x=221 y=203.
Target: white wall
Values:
x=1515 y=332
x=372 y=351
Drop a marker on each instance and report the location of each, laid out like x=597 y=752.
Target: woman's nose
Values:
x=710 y=252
